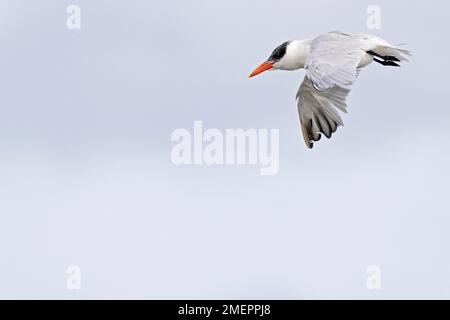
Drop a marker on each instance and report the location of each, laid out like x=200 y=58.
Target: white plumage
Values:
x=332 y=62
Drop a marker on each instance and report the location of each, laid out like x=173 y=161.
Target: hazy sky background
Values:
x=86 y=177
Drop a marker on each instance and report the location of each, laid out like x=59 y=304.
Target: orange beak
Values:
x=263 y=67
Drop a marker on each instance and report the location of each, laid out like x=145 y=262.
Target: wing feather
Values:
x=333 y=60
x=318 y=110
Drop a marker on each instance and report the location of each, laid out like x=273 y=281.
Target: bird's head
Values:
x=287 y=56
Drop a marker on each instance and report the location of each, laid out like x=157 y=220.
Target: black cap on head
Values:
x=279 y=52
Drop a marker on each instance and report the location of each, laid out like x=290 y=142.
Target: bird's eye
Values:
x=279 y=52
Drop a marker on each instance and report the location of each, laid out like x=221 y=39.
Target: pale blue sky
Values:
x=86 y=176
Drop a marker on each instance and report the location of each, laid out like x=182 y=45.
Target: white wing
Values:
x=331 y=68
x=334 y=60
x=318 y=110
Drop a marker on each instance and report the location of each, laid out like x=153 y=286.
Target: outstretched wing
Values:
x=331 y=68
x=318 y=110
x=334 y=60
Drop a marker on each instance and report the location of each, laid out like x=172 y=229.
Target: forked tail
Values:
x=389 y=56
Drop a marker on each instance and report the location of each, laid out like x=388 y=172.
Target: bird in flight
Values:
x=332 y=62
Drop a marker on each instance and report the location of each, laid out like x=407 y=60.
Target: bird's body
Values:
x=332 y=62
